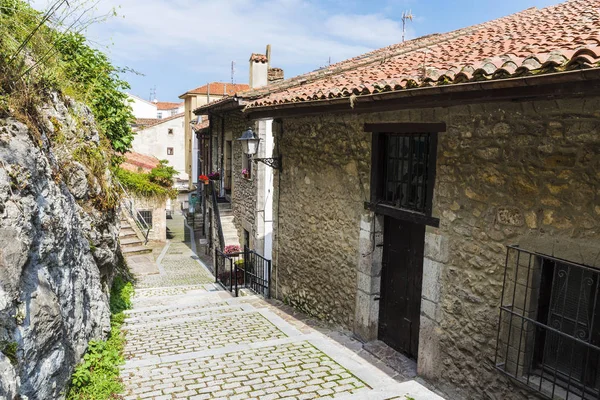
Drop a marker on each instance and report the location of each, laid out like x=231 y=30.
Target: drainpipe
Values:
x=222 y=155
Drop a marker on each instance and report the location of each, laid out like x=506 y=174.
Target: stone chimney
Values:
x=274 y=75
x=259 y=67
x=261 y=73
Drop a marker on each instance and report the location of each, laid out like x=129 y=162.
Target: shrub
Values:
x=97 y=376
x=147 y=185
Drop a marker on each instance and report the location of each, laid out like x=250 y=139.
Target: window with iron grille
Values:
x=549 y=327
x=169 y=151
x=406 y=166
x=146 y=216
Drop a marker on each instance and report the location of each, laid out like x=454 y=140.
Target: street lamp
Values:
x=250 y=147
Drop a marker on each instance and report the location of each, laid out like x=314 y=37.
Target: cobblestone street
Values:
x=187 y=339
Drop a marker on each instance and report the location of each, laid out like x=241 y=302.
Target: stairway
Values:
x=131 y=244
x=230 y=232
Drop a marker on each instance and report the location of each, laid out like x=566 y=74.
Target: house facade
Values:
x=441 y=195
x=193 y=99
x=165 y=139
x=245 y=184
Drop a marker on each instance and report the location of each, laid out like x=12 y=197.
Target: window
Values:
x=159 y=115
x=145 y=218
x=549 y=332
x=403 y=164
x=246 y=238
x=169 y=151
x=405 y=171
x=170 y=131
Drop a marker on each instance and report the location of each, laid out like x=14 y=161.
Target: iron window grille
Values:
x=146 y=216
x=406 y=171
x=548 y=332
x=169 y=151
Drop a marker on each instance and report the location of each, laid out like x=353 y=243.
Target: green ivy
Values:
x=157 y=183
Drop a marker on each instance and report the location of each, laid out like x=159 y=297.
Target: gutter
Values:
x=409 y=94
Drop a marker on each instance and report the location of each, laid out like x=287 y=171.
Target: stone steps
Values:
x=135 y=250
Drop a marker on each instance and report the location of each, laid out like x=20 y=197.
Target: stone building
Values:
x=441 y=195
x=250 y=194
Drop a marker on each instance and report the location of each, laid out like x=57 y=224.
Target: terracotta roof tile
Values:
x=137 y=161
x=202 y=125
x=553 y=39
x=261 y=58
x=166 y=105
x=159 y=121
x=140 y=122
x=218 y=89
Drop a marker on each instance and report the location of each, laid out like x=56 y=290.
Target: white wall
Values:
x=155 y=140
x=142 y=108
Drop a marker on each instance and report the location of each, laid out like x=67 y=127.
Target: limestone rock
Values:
x=57 y=252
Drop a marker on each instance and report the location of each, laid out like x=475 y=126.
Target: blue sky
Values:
x=182 y=44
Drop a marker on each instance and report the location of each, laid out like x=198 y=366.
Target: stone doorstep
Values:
x=391 y=358
x=228 y=300
x=185 y=311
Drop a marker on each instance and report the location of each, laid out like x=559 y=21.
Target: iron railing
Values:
x=128 y=204
x=548 y=332
x=217 y=216
x=246 y=269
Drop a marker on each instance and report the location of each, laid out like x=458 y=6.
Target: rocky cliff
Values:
x=58 y=247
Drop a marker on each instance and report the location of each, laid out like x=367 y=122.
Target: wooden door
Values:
x=401 y=281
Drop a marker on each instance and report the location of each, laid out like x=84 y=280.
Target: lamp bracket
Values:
x=273 y=162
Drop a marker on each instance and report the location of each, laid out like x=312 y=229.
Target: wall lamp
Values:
x=250 y=147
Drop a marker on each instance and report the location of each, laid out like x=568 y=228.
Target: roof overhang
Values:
x=220 y=106
x=554 y=85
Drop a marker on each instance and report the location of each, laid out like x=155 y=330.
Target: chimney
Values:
x=259 y=67
x=274 y=75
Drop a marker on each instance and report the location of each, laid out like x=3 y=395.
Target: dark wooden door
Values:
x=401 y=281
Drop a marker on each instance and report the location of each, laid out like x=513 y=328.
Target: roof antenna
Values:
x=152 y=93
x=232 y=71
x=406 y=16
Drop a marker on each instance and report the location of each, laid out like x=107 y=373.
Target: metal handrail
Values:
x=134 y=213
x=217 y=215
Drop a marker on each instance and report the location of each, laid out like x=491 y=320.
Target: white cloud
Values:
x=200 y=37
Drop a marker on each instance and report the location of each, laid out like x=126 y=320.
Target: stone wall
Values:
x=507 y=173
x=159 y=216
x=322 y=188
x=243 y=191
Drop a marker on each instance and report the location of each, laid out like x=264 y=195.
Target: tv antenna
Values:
x=406 y=16
x=232 y=71
x=152 y=93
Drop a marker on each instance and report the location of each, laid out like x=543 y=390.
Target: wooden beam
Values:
x=406 y=127
x=402 y=214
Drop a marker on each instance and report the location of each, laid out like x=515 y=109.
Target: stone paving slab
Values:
x=184 y=340
x=157 y=316
x=186 y=336
x=290 y=370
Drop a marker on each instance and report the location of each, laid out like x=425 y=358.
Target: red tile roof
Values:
x=166 y=105
x=261 y=58
x=202 y=125
x=136 y=161
x=157 y=121
x=141 y=122
x=218 y=89
x=553 y=39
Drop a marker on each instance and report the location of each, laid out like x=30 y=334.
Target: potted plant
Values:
x=214 y=176
x=203 y=179
x=245 y=173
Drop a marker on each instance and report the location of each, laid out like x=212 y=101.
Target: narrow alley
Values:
x=187 y=338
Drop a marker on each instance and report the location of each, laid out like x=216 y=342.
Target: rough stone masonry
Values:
x=525 y=173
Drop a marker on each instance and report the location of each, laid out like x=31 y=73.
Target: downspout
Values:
x=222 y=188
